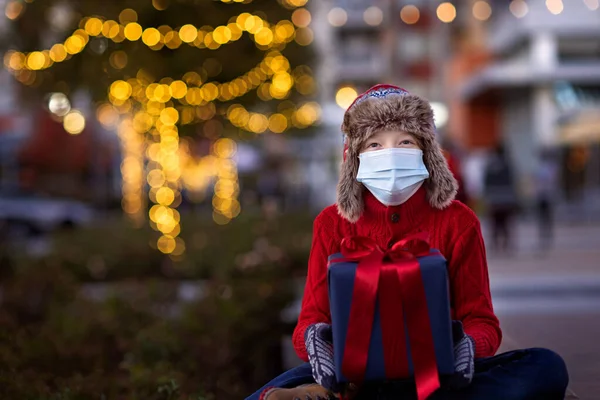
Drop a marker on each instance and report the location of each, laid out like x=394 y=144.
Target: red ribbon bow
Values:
x=395 y=276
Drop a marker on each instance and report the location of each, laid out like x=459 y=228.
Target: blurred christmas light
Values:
x=304 y=36
x=373 y=16
x=446 y=12
x=36 y=60
x=337 y=17
x=345 y=96
x=74 y=122
x=188 y=33
x=592 y=4
x=410 y=14
x=59 y=104
x=107 y=115
x=555 y=6
x=14 y=9
x=128 y=15
x=301 y=18
x=118 y=59
x=160 y=5
x=482 y=10
x=133 y=31
x=519 y=8
x=265 y=35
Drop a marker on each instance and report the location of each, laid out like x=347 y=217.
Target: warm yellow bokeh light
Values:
x=446 y=12
x=36 y=60
x=74 y=122
x=13 y=9
x=93 y=26
x=118 y=59
x=222 y=34
x=133 y=31
x=155 y=178
x=482 y=10
x=74 y=44
x=120 y=90
x=165 y=196
x=107 y=115
x=151 y=36
x=58 y=53
x=166 y=244
x=188 y=33
x=258 y=123
x=178 y=89
x=278 y=123
x=345 y=96
x=410 y=14
x=128 y=15
x=16 y=60
x=304 y=36
x=169 y=116
x=301 y=18
x=264 y=37
x=224 y=148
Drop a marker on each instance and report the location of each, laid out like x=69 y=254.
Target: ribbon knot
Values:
x=358 y=247
x=394 y=276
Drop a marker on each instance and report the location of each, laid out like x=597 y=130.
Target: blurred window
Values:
x=413 y=47
x=579 y=49
x=359 y=47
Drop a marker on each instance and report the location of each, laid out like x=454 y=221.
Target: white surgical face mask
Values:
x=392 y=175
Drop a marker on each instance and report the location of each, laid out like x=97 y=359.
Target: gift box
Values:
x=390 y=313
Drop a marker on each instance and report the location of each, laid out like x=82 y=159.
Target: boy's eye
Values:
x=372 y=145
x=406 y=142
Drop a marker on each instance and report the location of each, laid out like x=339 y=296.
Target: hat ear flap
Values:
x=349 y=190
x=441 y=184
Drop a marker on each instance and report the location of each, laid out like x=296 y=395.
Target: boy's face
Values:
x=390 y=140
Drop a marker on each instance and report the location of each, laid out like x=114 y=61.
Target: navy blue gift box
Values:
x=341 y=275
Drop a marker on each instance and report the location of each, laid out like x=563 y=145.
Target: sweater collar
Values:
x=403 y=217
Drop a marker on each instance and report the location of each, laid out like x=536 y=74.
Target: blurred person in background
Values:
x=395 y=182
x=545 y=188
x=500 y=198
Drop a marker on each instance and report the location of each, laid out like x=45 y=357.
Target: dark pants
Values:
x=545 y=222
x=530 y=374
x=501 y=219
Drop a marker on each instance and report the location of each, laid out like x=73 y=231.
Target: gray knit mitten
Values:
x=464 y=358
x=318 y=341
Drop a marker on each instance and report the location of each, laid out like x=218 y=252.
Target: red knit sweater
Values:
x=455 y=231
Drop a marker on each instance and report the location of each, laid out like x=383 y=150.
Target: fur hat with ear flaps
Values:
x=386 y=107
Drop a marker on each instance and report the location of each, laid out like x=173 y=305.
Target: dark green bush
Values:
x=60 y=339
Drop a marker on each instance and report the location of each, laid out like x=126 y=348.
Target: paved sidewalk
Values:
x=575 y=254
x=552 y=299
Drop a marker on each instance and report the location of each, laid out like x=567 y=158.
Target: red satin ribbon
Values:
x=395 y=276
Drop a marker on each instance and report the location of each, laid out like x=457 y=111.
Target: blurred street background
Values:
x=162 y=161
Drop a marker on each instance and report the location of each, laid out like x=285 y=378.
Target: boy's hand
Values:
x=319 y=346
x=464 y=358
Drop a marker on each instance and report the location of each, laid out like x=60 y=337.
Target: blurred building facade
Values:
x=530 y=77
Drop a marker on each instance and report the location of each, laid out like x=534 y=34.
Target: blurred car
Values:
x=29 y=215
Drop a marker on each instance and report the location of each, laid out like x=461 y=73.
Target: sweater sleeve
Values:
x=315 y=303
x=470 y=287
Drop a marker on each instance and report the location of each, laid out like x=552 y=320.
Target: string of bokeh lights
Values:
x=265 y=36
x=146 y=113
x=447 y=12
